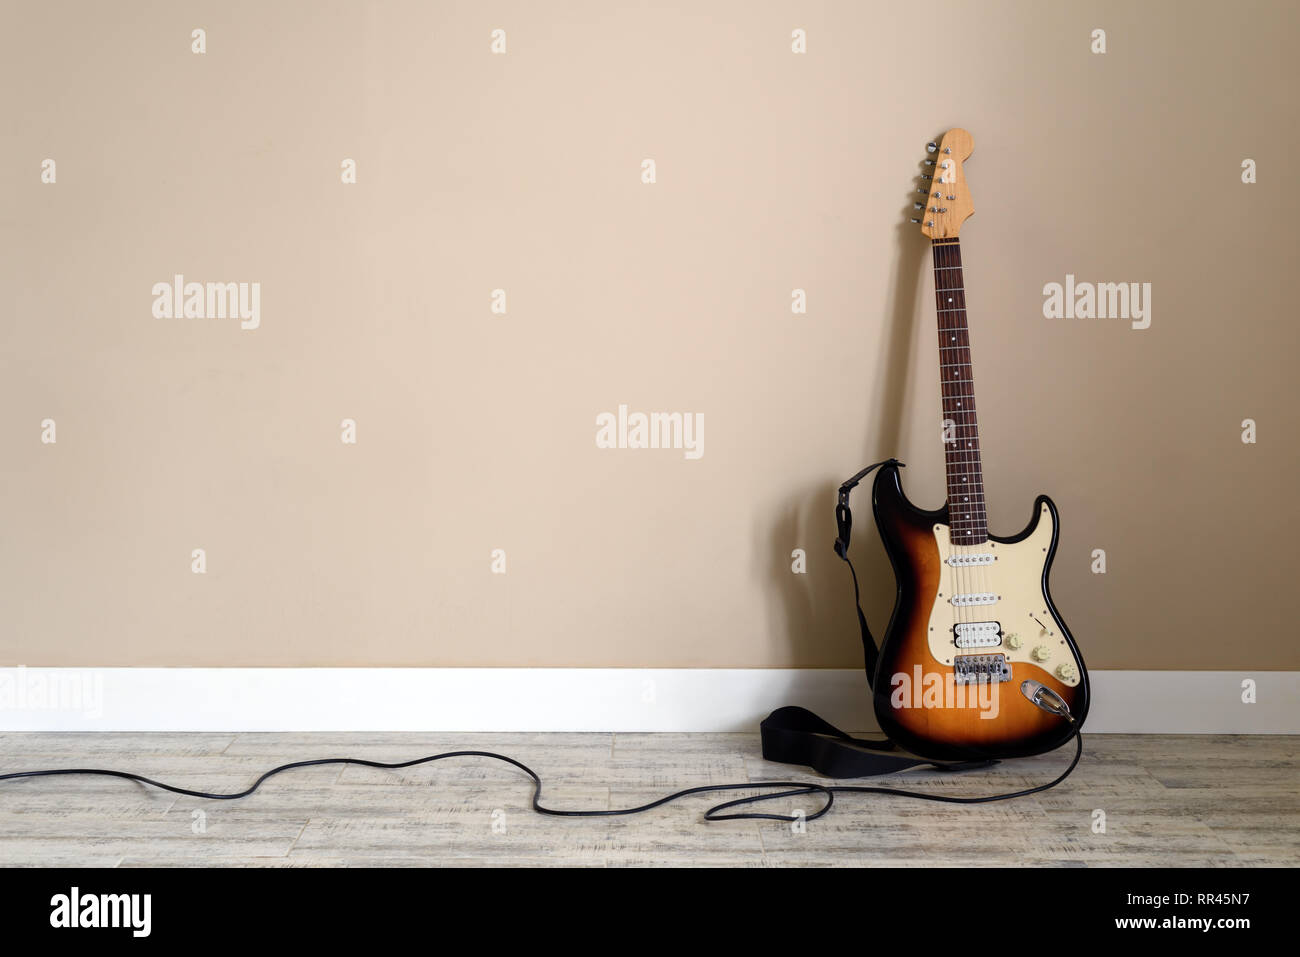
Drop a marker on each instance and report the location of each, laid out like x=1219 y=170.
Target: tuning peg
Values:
x=928 y=162
x=915 y=220
x=926 y=176
x=932 y=147
x=918 y=205
x=922 y=189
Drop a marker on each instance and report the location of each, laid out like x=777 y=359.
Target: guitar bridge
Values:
x=980 y=669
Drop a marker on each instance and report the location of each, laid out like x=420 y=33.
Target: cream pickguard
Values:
x=991 y=597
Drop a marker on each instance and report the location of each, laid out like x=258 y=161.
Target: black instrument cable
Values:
x=792 y=788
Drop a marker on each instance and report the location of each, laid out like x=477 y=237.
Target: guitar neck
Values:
x=966 y=514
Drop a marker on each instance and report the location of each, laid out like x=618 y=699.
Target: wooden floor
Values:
x=1182 y=801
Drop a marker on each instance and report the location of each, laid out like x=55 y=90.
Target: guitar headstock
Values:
x=947 y=201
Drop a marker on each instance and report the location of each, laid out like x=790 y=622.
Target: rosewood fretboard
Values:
x=957 y=384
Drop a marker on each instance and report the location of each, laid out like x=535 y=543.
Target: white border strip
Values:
x=572 y=699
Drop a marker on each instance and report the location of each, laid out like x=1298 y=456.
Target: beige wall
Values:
x=476 y=432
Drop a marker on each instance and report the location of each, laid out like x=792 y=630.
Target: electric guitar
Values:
x=973 y=618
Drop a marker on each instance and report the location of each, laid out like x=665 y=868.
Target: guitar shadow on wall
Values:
x=813 y=612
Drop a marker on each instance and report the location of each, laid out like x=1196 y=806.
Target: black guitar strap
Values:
x=797 y=736
x=844 y=524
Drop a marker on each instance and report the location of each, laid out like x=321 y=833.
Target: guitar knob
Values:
x=1067 y=671
x=1014 y=641
x=1041 y=653
x=932 y=147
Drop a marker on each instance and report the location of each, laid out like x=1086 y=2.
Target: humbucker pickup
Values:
x=977 y=634
x=980 y=669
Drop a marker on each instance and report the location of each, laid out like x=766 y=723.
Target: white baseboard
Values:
x=571 y=699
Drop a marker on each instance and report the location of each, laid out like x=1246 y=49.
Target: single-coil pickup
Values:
x=963 y=561
x=980 y=669
x=976 y=598
x=977 y=634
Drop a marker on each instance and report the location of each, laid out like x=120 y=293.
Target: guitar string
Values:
x=970 y=578
x=940 y=282
x=963 y=456
x=973 y=468
x=970 y=458
x=969 y=572
x=958 y=577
